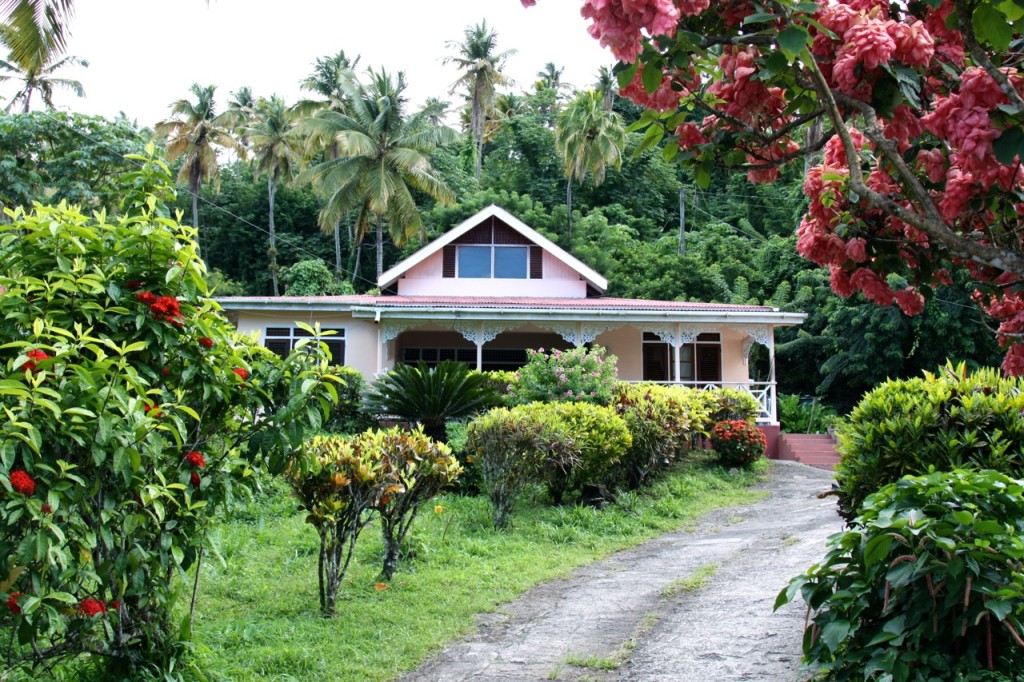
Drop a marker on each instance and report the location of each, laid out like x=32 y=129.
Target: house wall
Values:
x=733 y=367
x=360 y=335
x=626 y=344
x=559 y=281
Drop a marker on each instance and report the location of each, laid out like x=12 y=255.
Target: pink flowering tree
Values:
x=909 y=118
x=133 y=412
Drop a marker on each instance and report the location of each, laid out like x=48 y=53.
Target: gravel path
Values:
x=640 y=615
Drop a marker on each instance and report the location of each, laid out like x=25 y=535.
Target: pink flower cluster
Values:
x=619 y=24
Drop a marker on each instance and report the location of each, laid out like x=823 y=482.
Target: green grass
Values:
x=697 y=580
x=258 y=616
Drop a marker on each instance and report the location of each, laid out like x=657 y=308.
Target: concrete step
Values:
x=817 y=450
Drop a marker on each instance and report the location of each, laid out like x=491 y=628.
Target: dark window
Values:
x=510 y=262
x=536 y=262
x=474 y=262
x=283 y=340
x=448 y=265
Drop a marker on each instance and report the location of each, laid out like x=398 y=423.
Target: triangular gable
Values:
x=590 y=275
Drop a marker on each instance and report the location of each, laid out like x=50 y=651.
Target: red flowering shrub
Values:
x=242 y=372
x=737 y=443
x=206 y=342
x=128 y=514
x=34 y=356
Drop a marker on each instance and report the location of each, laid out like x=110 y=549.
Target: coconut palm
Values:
x=434 y=110
x=608 y=85
x=241 y=109
x=276 y=153
x=35 y=73
x=194 y=134
x=481 y=63
x=326 y=80
x=589 y=138
x=34 y=29
x=381 y=156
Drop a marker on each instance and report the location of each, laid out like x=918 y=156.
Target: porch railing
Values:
x=763 y=392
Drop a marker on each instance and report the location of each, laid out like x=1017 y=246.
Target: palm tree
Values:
x=434 y=110
x=241 y=109
x=194 y=135
x=550 y=77
x=589 y=138
x=36 y=73
x=381 y=156
x=276 y=150
x=608 y=85
x=35 y=30
x=481 y=64
x=329 y=75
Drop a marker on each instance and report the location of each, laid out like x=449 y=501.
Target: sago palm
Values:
x=589 y=138
x=194 y=133
x=431 y=396
x=275 y=148
x=382 y=156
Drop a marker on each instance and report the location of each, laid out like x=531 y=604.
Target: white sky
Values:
x=145 y=54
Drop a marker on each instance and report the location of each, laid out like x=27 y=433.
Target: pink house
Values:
x=492 y=287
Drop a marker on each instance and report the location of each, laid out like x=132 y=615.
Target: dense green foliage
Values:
x=927 y=584
x=945 y=420
x=797 y=415
x=660 y=428
x=346 y=417
x=313 y=278
x=430 y=396
x=133 y=414
x=576 y=375
x=737 y=443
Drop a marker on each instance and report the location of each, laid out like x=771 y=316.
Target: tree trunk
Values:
x=477 y=124
x=392 y=547
x=568 y=205
x=380 y=246
x=337 y=250
x=272 y=252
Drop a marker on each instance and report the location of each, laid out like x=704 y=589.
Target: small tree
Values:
x=577 y=375
x=413 y=469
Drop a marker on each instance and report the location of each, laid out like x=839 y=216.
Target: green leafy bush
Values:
x=732 y=404
x=133 y=413
x=947 y=420
x=430 y=396
x=503 y=383
x=602 y=439
x=511 y=449
x=313 y=278
x=804 y=416
x=657 y=424
x=413 y=469
x=347 y=417
x=576 y=375
x=691 y=406
x=737 y=443
x=338 y=485
x=928 y=584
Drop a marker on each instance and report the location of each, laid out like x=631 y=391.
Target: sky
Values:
x=145 y=54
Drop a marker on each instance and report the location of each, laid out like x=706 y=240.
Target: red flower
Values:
x=91 y=607
x=147 y=297
x=195 y=459
x=152 y=410
x=165 y=371
x=46 y=509
x=114 y=605
x=12 y=603
x=22 y=482
x=206 y=342
x=34 y=355
x=244 y=373
x=134 y=284
x=196 y=480
x=165 y=306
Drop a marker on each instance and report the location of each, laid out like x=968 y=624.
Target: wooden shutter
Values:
x=536 y=262
x=448 y=267
x=280 y=346
x=709 y=363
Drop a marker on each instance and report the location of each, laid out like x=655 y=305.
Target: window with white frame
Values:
x=698 y=361
x=283 y=340
x=493 y=261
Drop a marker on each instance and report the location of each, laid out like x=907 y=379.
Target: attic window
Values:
x=492 y=262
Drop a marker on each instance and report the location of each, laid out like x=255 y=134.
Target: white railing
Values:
x=763 y=392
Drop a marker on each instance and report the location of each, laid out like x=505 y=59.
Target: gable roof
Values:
x=493 y=211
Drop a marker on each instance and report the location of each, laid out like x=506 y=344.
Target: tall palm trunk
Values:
x=380 y=246
x=337 y=248
x=272 y=252
x=568 y=205
x=477 y=124
x=195 y=184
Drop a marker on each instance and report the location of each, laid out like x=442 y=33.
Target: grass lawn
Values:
x=258 y=615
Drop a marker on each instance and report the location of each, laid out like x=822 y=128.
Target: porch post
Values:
x=480 y=346
x=677 y=353
x=380 y=351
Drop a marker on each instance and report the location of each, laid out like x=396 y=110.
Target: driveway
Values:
x=690 y=606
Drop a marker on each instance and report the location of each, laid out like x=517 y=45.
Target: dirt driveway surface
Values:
x=641 y=616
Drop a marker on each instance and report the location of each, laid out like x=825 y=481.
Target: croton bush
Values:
x=132 y=413
x=928 y=584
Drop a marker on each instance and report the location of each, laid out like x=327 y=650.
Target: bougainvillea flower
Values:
x=22 y=482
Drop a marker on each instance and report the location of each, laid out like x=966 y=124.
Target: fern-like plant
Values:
x=430 y=396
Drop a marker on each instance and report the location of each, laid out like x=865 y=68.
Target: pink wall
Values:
x=560 y=281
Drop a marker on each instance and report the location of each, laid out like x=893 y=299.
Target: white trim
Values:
x=493 y=211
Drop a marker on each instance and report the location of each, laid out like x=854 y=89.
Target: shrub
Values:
x=430 y=396
x=733 y=404
x=577 y=375
x=690 y=406
x=656 y=424
x=512 y=448
x=927 y=584
x=313 y=278
x=503 y=383
x=737 y=443
x=947 y=420
x=338 y=485
x=133 y=413
x=347 y=417
x=602 y=439
x=797 y=415
x=413 y=469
